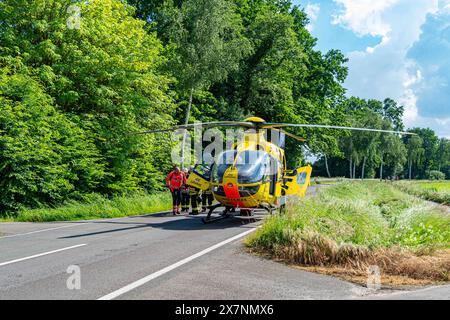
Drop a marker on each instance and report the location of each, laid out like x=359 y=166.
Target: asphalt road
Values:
x=159 y=257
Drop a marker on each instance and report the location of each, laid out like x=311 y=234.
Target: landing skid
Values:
x=224 y=215
x=245 y=215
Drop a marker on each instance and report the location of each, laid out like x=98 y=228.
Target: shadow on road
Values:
x=186 y=224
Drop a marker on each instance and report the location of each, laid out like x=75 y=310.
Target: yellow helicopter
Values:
x=252 y=174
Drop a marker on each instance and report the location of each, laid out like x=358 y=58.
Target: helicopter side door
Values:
x=200 y=177
x=275 y=177
x=297 y=182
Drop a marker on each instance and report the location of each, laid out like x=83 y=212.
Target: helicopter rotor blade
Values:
x=298 y=138
x=285 y=125
x=203 y=125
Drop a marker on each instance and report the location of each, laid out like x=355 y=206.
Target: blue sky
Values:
x=397 y=48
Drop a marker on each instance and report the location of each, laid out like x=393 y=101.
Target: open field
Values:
x=353 y=225
x=437 y=191
x=97 y=207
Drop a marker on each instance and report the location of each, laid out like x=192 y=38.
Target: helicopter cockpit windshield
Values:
x=252 y=165
x=223 y=162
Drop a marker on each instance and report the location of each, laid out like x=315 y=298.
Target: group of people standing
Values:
x=185 y=196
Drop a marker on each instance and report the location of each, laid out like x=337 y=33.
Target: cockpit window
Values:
x=223 y=162
x=252 y=166
x=301 y=178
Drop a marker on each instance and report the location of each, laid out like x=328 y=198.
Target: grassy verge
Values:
x=98 y=208
x=353 y=225
x=433 y=191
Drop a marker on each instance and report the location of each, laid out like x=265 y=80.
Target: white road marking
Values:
x=161 y=272
x=40 y=255
x=43 y=230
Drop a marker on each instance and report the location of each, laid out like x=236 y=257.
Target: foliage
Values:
x=77 y=94
x=45 y=156
x=433 y=191
x=208 y=42
x=97 y=207
x=411 y=156
x=435 y=175
x=71 y=96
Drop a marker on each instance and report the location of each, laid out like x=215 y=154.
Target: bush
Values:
x=69 y=99
x=96 y=206
x=435 y=175
x=45 y=157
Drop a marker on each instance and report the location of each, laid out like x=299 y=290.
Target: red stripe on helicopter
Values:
x=232 y=192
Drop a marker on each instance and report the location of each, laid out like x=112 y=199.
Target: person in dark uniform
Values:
x=195 y=200
x=185 y=196
x=207 y=199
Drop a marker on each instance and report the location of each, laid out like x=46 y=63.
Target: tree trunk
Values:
x=351 y=166
x=381 y=171
x=410 y=166
x=354 y=169
x=363 y=167
x=326 y=166
x=186 y=121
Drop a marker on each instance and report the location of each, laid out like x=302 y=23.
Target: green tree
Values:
x=367 y=143
x=208 y=46
x=430 y=144
x=106 y=73
x=394 y=112
x=284 y=79
x=443 y=153
x=45 y=156
x=415 y=152
x=392 y=151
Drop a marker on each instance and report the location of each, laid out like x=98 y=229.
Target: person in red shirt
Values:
x=175 y=180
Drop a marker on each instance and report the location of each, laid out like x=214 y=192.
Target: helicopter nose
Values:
x=231 y=190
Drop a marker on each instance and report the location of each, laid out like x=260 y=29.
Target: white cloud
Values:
x=385 y=70
x=431 y=55
x=364 y=17
x=413 y=79
x=313 y=11
x=409 y=101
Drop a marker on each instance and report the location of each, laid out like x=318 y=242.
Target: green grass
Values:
x=350 y=226
x=435 y=185
x=322 y=180
x=437 y=191
x=97 y=208
x=368 y=214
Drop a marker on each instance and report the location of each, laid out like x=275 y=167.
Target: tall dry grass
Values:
x=354 y=225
